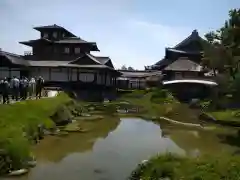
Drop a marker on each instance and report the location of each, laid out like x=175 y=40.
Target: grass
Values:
x=157 y=102
x=229 y=115
x=176 y=167
x=16 y=119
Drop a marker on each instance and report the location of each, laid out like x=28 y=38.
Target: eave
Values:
x=31 y=42
x=56 y=27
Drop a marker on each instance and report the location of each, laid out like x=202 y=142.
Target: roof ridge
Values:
x=193 y=35
x=93 y=58
x=11 y=54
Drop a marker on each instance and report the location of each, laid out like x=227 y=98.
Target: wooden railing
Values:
x=206 y=78
x=27 y=53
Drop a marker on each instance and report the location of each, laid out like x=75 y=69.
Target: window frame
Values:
x=55 y=34
x=66 y=50
x=79 y=50
x=45 y=35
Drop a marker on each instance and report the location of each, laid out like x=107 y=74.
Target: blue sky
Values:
x=132 y=32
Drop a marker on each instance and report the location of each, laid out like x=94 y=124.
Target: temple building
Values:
x=62 y=59
x=183 y=60
x=137 y=79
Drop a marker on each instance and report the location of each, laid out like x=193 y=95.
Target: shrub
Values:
x=19 y=123
x=175 y=168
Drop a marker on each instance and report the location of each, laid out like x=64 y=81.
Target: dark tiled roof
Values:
x=14 y=58
x=182 y=51
x=48 y=63
x=78 y=40
x=183 y=64
x=72 y=40
x=102 y=60
x=54 y=26
x=194 y=36
x=49 y=26
x=34 y=41
x=139 y=74
x=18 y=60
x=85 y=66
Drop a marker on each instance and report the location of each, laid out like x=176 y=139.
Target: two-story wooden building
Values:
x=62 y=59
x=183 y=60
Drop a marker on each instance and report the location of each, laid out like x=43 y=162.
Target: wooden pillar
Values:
x=50 y=74
x=78 y=74
x=9 y=72
x=95 y=78
x=105 y=78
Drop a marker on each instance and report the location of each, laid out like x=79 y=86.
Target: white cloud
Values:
x=110 y=23
x=163 y=34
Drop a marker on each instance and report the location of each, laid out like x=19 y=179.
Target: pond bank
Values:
x=21 y=125
x=87 y=119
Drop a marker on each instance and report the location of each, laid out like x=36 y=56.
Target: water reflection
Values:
x=86 y=156
x=55 y=148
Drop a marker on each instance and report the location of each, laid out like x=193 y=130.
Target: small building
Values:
x=183 y=68
x=62 y=59
x=183 y=60
x=137 y=79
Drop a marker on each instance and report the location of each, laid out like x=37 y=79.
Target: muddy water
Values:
x=110 y=154
x=112 y=149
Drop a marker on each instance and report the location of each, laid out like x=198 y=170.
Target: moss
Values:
x=227 y=115
x=176 y=167
x=158 y=102
x=19 y=121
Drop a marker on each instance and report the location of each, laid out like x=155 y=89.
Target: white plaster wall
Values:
x=44 y=73
x=108 y=80
x=15 y=73
x=86 y=77
x=9 y=73
x=74 y=74
x=178 y=75
x=99 y=79
x=102 y=79
x=4 y=73
x=33 y=72
x=59 y=74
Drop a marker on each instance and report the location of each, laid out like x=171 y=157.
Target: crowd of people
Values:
x=20 y=88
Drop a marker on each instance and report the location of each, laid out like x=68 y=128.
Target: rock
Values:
x=31 y=164
x=144 y=162
x=62 y=133
x=106 y=101
x=18 y=172
x=85 y=115
x=91 y=108
x=122 y=111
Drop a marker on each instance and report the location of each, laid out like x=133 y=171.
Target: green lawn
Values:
x=16 y=119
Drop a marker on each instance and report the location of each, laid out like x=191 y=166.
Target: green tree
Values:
x=222 y=52
x=123 y=67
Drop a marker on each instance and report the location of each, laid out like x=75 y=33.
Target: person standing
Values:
x=39 y=87
x=6 y=88
x=32 y=87
x=21 y=85
x=15 y=87
x=25 y=88
x=1 y=90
